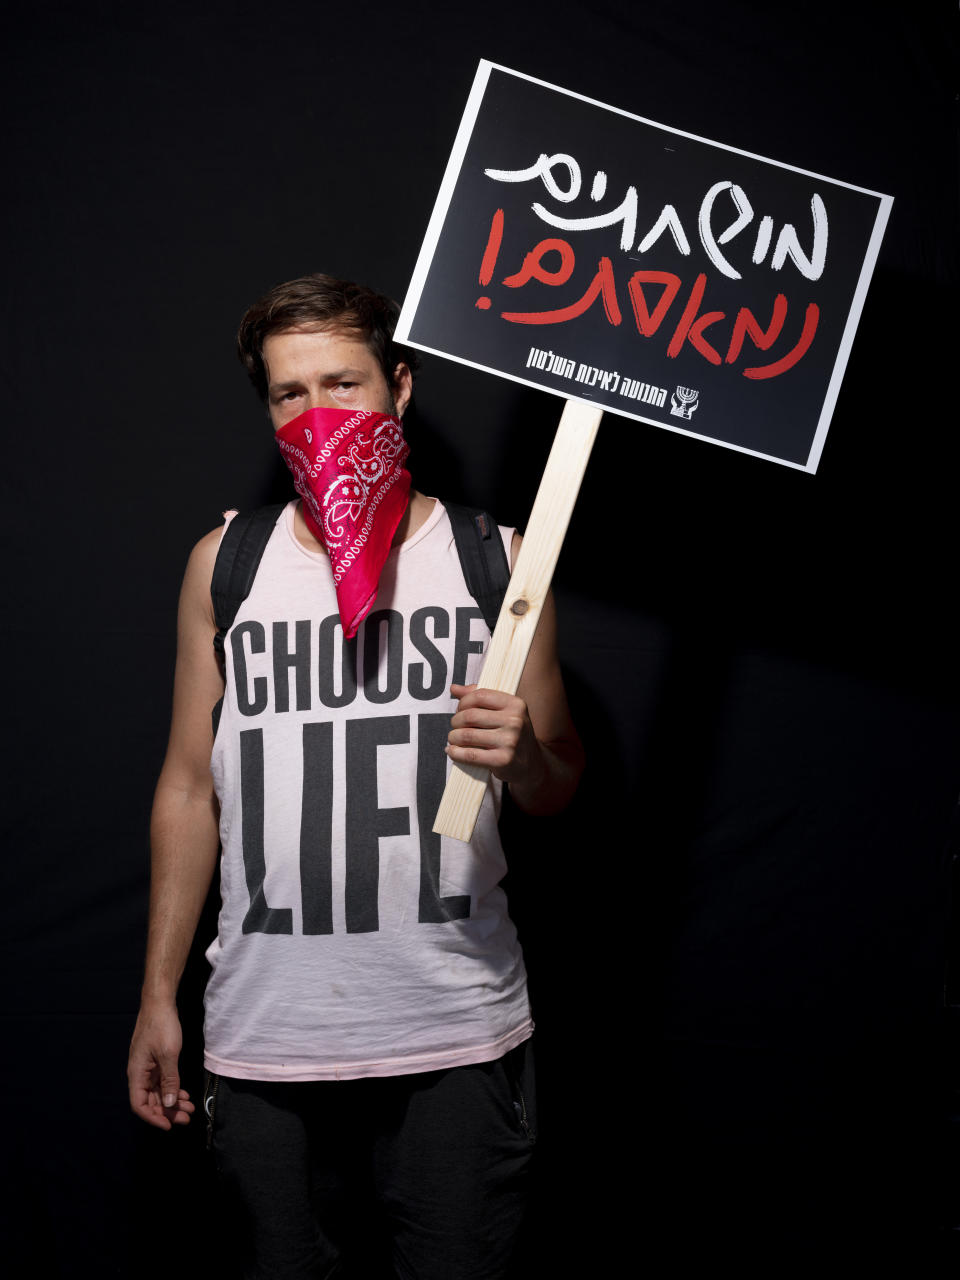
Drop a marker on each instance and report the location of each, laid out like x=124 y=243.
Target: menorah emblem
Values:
x=684 y=402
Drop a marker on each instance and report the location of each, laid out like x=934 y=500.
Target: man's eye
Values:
x=346 y=386
x=290 y=395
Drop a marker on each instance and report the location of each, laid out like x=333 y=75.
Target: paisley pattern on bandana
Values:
x=348 y=469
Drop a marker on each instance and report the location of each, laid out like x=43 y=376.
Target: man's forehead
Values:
x=336 y=348
x=333 y=333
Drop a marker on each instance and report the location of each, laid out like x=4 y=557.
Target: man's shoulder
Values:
x=204 y=556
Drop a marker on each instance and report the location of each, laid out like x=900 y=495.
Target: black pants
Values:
x=421 y=1177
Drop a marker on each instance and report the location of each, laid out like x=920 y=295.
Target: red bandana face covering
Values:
x=348 y=469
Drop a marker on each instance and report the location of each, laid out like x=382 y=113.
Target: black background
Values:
x=736 y=937
x=517 y=122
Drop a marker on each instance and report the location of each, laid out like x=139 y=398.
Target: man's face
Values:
x=324 y=369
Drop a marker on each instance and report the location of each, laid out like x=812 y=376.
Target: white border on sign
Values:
x=850 y=328
x=442 y=204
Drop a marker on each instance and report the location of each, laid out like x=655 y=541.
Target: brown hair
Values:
x=320 y=301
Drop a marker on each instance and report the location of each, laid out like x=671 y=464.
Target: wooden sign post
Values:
x=526 y=593
x=624 y=265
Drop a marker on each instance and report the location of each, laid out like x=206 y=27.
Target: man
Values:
x=366 y=1019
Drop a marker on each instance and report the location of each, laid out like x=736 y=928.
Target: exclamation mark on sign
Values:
x=494 y=241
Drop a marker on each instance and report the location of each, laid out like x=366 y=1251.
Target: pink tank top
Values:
x=352 y=940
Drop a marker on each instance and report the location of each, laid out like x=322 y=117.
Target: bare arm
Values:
x=527 y=739
x=184 y=840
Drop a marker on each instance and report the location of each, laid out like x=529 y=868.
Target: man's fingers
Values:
x=169 y=1082
x=485 y=718
x=473 y=736
x=151 y=1107
x=473 y=698
x=489 y=757
x=487 y=729
x=472 y=695
x=146 y=1105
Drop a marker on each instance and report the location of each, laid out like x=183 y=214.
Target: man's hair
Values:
x=317 y=302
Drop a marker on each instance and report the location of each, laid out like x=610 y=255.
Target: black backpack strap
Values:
x=238 y=558
x=483 y=559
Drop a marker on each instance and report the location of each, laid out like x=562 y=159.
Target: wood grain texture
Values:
x=529 y=584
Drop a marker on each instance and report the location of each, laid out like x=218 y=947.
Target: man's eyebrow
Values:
x=335 y=375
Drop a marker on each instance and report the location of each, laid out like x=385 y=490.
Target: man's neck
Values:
x=416 y=514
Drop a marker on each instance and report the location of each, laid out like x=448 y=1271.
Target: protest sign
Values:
x=659 y=275
x=634 y=268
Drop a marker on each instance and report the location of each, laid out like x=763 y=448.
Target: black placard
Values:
x=668 y=278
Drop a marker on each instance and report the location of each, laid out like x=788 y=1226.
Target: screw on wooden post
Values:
x=529 y=584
